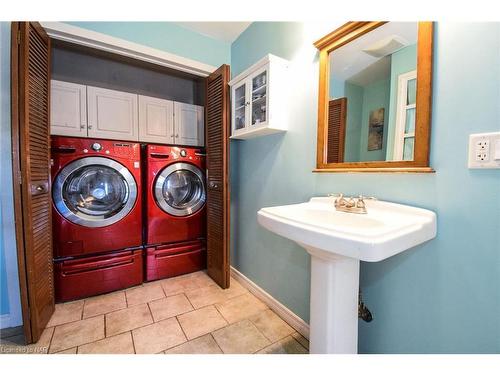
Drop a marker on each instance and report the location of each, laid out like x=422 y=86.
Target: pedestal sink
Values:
x=337 y=241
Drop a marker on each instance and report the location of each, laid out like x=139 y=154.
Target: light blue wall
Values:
x=375 y=96
x=274 y=169
x=10 y=305
x=354 y=120
x=337 y=88
x=5 y=137
x=4 y=296
x=441 y=297
x=166 y=36
x=402 y=61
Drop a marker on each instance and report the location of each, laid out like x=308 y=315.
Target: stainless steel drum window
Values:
x=95 y=190
x=180 y=189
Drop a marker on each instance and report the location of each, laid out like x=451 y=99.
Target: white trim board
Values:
x=93 y=39
x=281 y=310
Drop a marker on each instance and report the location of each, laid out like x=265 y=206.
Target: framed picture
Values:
x=376 y=129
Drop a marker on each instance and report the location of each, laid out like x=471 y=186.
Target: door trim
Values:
x=103 y=42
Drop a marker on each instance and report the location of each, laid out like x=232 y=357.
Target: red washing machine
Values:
x=175 y=211
x=97 y=216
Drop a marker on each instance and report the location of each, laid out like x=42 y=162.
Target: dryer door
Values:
x=179 y=189
x=94 y=192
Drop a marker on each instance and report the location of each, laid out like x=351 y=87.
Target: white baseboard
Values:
x=281 y=310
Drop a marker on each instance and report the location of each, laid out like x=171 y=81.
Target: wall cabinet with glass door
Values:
x=258 y=99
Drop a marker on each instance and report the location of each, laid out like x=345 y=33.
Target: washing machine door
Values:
x=179 y=189
x=94 y=192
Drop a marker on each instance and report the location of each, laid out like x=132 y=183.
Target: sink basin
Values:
x=337 y=242
x=387 y=229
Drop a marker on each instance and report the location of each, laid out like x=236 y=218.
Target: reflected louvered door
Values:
x=337 y=112
x=217 y=146
x=34 y=130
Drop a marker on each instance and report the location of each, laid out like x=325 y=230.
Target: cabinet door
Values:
x=189 y=125
x=112 y=114
x=156 y=120
x=68 y=109
x=240 y=103
x=259 y=97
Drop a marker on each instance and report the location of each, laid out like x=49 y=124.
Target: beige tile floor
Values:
x=187 y=314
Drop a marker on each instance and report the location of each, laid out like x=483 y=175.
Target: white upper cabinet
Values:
x=156 y=120
x=94 y=112
x=189 y=124
x=259 y=99
x=112 y=114
x=68 y=109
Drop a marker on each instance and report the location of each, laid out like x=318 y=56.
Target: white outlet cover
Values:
x=484 y=151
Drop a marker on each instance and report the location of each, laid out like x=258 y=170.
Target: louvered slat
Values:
x=336 y=130
x=217 y=141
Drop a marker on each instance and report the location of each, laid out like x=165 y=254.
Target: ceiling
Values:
x=349 y=61
x=225 y=31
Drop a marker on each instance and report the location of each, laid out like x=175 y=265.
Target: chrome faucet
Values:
x=350 y=204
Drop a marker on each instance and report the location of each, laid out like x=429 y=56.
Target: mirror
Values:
x=375 y=96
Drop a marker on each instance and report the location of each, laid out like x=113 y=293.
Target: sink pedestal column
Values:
x=334 y=303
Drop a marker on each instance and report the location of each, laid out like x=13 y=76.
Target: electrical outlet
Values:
x=484 y=150
x=482 y=156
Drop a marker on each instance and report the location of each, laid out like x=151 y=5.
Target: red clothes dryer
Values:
x=175 y=211
x=97 y=216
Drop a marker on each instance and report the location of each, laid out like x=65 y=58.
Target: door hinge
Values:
x=18 y=36
x=19 y=178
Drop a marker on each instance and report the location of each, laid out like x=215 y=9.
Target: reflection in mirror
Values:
x=372 y=96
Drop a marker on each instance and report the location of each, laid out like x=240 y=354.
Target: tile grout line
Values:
x=220 y=313
x=258 y=330
x=262 y=333
x=133 y=342
x=216 y=343
x=299 y=341
x=182 y=329
x=83 y=309
x=190 y=304
x=150 y=312
x=50 y=341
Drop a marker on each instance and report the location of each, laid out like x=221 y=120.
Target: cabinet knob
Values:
x=90 y=126
x=82 y=126
x=177 y=136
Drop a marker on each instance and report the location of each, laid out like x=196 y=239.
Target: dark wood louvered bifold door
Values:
x=33 y=166
x=217 y=139
x=337 y=111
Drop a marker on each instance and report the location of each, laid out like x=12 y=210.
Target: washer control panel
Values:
x=96 y=146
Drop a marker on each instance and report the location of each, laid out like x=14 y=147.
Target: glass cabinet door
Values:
x=240 y=104
x=259 y=86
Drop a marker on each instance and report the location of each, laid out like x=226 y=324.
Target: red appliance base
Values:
x=85 y=277
x=175 y=259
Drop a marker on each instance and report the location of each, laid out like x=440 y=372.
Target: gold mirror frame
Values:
x=345 y=34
